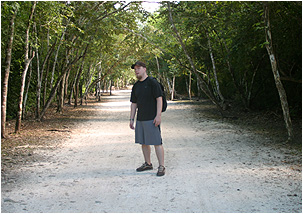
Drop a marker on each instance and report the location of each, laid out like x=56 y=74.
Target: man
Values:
x=146 y=96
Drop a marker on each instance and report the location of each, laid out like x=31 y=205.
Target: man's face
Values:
x=139 y=71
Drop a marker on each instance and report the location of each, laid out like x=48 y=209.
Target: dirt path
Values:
x=212 y=166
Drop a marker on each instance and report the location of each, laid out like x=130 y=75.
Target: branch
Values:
x=146 y=39
x=116 y=11
x=291 y=79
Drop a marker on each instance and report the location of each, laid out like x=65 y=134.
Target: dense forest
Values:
x=244 y=54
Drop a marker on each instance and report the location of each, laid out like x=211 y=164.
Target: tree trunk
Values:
x=189 y=85
x=110 y=87
x=79 y=76
x=8 y=58
x=198 y=88
x=99 y=86
x=273 y=62
x=88 y=82
x=158 y=66
x=173 y=88
x=73 y=87
x=56 y=58
x=249 y=89
x=77 y=84
x=23 y=76
x=66 y=84
x=45 y=83
x=27 y=86
x=38 y=90
x=72 y=91
x=214 y=68
x=61 y=95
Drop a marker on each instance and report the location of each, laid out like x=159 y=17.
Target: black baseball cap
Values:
x=139 y=63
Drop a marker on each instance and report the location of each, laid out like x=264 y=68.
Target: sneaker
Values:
x=144 y=167
x=161 y=171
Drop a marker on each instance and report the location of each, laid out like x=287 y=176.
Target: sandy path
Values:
x=212 y=166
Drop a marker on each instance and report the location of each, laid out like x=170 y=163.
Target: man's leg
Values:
x=160 y=154
x=146 y=153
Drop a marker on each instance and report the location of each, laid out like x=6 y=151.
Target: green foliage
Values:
x=236 y=31
x=118 y=33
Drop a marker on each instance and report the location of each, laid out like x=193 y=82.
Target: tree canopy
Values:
x=65 y=50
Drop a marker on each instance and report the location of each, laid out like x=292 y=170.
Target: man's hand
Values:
x=133 y=109
x=157 y=120
x=131 y=124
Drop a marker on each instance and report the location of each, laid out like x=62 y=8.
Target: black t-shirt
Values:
x=144 y=94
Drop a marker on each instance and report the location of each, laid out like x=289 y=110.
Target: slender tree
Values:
x=27 y=61
x=214 y=68
x=7 y=71
x=274 y=67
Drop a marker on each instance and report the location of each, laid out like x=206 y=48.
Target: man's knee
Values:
x=158 y=146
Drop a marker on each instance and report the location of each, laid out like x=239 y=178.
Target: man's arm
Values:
x=157 y=119
x=133 y=109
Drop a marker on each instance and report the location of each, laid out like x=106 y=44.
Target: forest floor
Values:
x=84 y=160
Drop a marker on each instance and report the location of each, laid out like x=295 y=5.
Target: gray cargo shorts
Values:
x=147 y=134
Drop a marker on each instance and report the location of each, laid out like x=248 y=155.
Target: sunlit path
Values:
x=211 y=167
